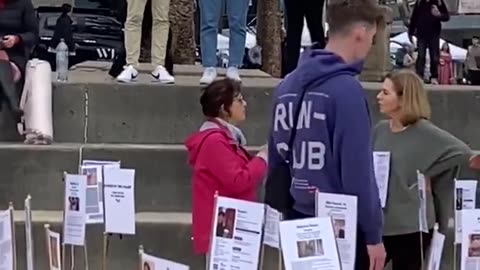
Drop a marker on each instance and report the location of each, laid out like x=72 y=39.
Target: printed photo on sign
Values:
x=74 y=203
x=339 y=227
x=236 y=234
x=225 y=222
x=150 y=262
x=474 y=245
x=310 y=248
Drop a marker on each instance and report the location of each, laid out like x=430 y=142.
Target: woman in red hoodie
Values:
x=219 y=160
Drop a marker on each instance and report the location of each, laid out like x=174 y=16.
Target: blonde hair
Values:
x=414 y=104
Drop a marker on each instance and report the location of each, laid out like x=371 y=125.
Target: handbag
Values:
x=279 y=179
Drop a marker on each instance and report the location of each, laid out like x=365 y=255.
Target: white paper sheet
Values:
x=271 y=235
x=381 y=165
x=153 y=263
x=236 y=235
x=436 y=249
x=119 y=200
x=54 y=250
x=28 y=233
x=342 y=209
x=422 y=211
x=309 y=244
x=470 y=255
x=6 y=244
x=465 y=198
x=75 y=209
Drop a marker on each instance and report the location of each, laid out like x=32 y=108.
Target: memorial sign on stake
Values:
x=470 y=255
x=465 y=198
x=53 y=248
x=28 y=233
x=8 y=260
x=381 y=165
x=436 y=249
x=93 y=169
x=342 y=209
x=236 y=234
x=309 y=244
x=149 y=262
x=75 y=216
x=119 y=205
x=119 y=190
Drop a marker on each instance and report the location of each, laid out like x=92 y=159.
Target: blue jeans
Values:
x=237 y=21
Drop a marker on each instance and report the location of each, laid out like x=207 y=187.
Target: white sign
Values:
x=342 y=209
x=271 y=235
x=436 y=249
x=28 y=233
x=93 y=169
x=236 y=234
x=470 y=256
x=75 y=210
x=153 y=263
x=309 y=244
x=7 y=260
x=53 y=242
x=381 y=165
x=422 y=211
x=465 y=198
x=119 y=189
x=468 y=6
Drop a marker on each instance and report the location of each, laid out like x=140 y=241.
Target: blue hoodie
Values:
x=332 y=146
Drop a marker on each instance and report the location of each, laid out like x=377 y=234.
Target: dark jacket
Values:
x=19 y=18
x=423 y=24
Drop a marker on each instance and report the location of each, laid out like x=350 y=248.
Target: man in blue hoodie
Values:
x=331 y=148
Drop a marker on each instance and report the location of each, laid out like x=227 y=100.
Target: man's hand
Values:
x=435 y=11
x=377 y=256
x=9 y=41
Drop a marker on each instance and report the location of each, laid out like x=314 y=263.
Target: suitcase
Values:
x=36 y=102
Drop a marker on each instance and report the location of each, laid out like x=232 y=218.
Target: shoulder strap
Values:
x=296 y=116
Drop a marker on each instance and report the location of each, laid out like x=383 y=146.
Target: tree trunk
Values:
x=182 y=25
x=269 y=36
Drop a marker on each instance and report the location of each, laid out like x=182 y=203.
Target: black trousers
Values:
x=362 y=261
x=296 y=11
x=433 y=46
x=405 y=251
x=474 y=77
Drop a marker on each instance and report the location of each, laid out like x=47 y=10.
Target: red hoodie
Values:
x=220 y=164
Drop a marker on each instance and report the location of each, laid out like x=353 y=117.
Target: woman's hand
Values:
x=474 y=162
x=10 y=41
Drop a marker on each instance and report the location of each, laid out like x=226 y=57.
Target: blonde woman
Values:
x=415 y=144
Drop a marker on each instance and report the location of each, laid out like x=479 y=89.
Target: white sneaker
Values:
x=209 y=75
x=129 y=74
x=232 y=73
x=161 y=75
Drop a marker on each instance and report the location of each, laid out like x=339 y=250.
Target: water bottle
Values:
x=61 y=53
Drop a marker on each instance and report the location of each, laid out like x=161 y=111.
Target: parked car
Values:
x=96 y=32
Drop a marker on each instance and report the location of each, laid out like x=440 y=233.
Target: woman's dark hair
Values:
x=217 y=94
x=66 y=8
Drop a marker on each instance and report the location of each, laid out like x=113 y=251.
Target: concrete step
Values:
x=167 y=235
x=149 y=113
x=163 y=177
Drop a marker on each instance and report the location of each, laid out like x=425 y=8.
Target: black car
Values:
x=96 y=32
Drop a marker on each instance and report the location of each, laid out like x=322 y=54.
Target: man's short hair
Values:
x=342 y=14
